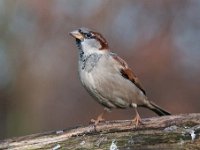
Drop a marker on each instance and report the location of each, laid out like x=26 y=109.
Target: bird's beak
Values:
x=76 y=34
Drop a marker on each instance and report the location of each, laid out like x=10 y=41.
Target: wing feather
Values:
x=127 y=73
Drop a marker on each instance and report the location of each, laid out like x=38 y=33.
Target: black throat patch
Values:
x=78 y=43
x=89 y=61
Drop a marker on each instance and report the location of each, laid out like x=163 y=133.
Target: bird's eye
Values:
x=88 y=35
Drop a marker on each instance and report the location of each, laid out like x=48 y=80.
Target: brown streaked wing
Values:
x=128 y=73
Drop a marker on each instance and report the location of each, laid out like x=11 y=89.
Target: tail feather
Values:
x=158 y=110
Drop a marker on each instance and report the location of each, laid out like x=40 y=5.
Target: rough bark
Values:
x=168 y=132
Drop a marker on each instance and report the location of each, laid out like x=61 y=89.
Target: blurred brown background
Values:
x=39 y=85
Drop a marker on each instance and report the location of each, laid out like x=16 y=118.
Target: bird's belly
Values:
x=112 y=90
x=120 y=91
x=91 y=84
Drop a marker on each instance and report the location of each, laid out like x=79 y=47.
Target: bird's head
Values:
x=89 y=41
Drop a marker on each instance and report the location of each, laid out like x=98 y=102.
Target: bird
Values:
x=108 y=78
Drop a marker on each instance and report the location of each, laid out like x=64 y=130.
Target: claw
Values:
x=98 y=120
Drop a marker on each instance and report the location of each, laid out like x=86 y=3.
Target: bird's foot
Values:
x=98 y=120
x=137 y=120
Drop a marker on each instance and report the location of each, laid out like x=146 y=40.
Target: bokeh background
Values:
x=39 y=85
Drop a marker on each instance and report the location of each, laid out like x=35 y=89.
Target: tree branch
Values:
x=169 y=132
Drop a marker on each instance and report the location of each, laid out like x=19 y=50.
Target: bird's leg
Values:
x=136 y=120
x=99 y=118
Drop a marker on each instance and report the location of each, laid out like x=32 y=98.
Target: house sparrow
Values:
x=107 y=77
